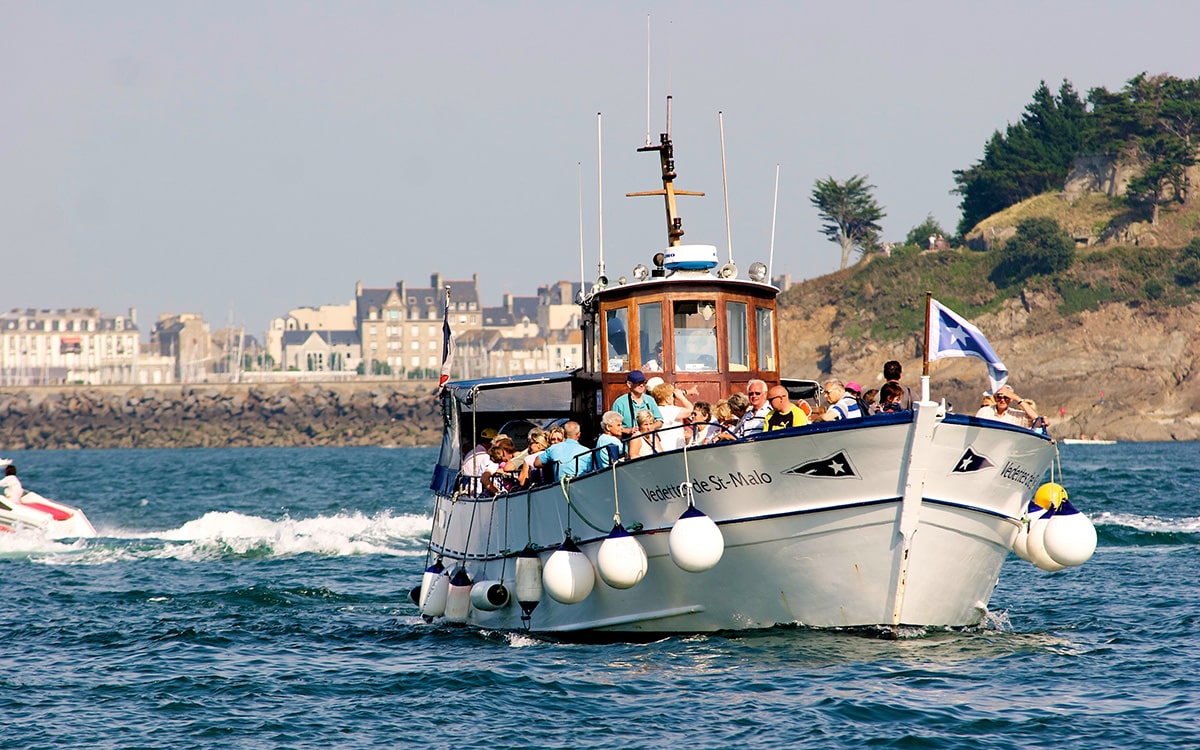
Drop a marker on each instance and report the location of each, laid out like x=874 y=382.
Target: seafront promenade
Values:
x=224 y=415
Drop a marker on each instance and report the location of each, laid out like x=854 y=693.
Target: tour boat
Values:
x=894 y=520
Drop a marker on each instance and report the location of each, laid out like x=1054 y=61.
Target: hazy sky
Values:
x=242 y=158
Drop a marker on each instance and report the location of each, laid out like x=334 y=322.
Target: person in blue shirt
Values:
x=569 y=457
x=634 y=401
x=608 y=446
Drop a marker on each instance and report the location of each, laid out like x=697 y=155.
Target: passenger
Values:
x=539 y=440
x=783 y=413
x=556 y=435
x=889 y=398
x=568 y=457
x=476 y=461
x=634 y=401
x=1038 y=423
x=891 y=374
x=702 y=430
x=1022 y=416
x=646 y=441
x=752 y=421
x=673 y=404
x=729 y=413
x=841 y=404
x=13 y=490
x=988 y=400
x=609 y=447
x=497 y=477
x=654 y=364
x=871 y=398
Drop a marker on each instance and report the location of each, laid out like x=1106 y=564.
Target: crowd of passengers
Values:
x=641 y=421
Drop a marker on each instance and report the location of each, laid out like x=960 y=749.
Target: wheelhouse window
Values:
x=650 y=336
x=765 y=318
x=695 y=325
x=616 y=329
x=735 y=324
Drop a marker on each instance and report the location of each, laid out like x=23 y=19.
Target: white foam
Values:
x=219 y=534
x=1152 y=524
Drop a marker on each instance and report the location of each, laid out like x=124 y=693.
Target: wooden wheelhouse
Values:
x=685 y=321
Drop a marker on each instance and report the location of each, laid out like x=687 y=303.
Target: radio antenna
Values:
x=648 y=141
x=600 y=198
x=582 y=277
x=774 y=210
x=725 y=187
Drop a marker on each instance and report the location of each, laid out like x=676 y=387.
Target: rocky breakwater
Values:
x=218 y=416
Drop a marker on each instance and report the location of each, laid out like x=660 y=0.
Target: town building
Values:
x=400 y=327
x=185 y=338
x=322 y=318
x=61 y=346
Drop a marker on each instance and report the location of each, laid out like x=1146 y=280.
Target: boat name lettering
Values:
x=1019 y=474
x=713 y=483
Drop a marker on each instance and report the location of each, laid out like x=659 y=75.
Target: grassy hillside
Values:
x=881 y=298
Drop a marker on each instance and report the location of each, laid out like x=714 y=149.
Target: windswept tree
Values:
x=1030 y=157
x=850 y=213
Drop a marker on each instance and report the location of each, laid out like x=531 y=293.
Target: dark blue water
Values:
x=257 y=598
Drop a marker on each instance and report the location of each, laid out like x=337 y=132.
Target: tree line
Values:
x=1152 y=124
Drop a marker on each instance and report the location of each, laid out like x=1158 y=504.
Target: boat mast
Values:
x=666 y=157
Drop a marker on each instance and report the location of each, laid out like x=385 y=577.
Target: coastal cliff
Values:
x=218 y=415
x=1118 y=372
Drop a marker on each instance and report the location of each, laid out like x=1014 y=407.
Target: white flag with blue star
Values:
x=952 y=336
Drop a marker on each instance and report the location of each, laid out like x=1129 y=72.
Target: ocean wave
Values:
x=227 y=534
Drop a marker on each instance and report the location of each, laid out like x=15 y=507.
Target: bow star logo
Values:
x=836 y=466
x=971 y=461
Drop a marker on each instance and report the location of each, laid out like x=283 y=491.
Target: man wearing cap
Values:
x=634 y=401
x=476 y=460
x=1003 y=409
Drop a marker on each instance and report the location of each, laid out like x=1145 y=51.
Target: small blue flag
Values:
x=952 y=336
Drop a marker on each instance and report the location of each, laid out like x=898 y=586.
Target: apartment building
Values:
x=76 y=345
x=400 y=327
x=321 y=318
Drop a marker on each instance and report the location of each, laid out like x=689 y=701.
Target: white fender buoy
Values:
x=489 y=595
x=1021 y=544
x=1070 y=537
x=529 y=580
x=1036 y=545
x=568 y=575
x=622 y=559
x=435 y=585
x=458 y=600
x=695 y=542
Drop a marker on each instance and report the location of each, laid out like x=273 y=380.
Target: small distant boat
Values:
x=57 y=520
x=1086 y=441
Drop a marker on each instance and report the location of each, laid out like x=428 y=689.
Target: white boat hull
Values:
x=893 y=522
x=54 y=519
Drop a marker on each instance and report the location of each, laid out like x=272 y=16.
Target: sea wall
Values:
x=218 y=415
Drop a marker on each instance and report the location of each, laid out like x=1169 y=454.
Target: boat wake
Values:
x=224 y=534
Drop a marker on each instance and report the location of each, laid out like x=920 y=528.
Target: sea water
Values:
x=258 y=598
